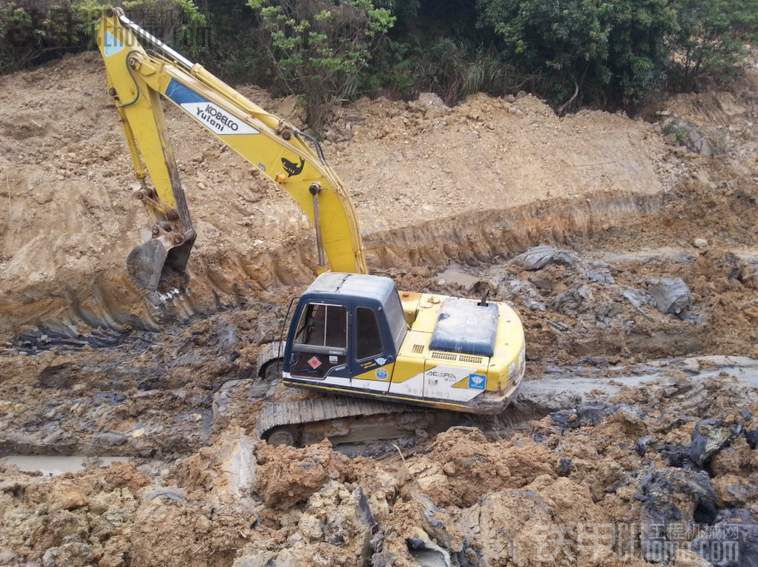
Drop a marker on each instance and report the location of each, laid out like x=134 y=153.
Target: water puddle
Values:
x=58 y=464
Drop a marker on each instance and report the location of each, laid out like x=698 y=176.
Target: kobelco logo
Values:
x=216 y=119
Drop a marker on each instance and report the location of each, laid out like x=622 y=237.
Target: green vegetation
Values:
x=603 y=53
x=320 y=47
x=36 y=31
x=711 y=39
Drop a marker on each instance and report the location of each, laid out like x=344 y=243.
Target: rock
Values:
x=72 y=554
x=238 y=466
x=222 y=399
x=688 y=558
x=170 y=492
x=752 y=438
x=572 y=300
x=540 y=256
x=259 y=559
x=287 y=476
x=564 y=466
x=670 y=295
x=310 y=526
x=734 y=490
x=427 y=553
x=332 y=529
x=677 y=455
x=109 y=439
x=584 y=415
x=691 y=136
x=672 y=495
x=732 y=541
x=599 y=272
x=228 y=340
x=457 y=276
x=433 y=519
x=61 y=376
x=636 y=297
x=525 y=291
x=150 y=381
x=642 y=444
x=431 y=100
x=7 y=557
x=67 y=496
x=700 y=243
x=708 y=437
x=535 y=525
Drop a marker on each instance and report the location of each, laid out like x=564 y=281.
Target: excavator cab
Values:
x=355 y=334
x=344 y=325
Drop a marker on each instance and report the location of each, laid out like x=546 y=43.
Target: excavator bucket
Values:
x=157 y=265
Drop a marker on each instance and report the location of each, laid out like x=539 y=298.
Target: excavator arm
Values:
x=137 y=80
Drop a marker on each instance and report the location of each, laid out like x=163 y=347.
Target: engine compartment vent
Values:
x=444 y=356
x=467 y=358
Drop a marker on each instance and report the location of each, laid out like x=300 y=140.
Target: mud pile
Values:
x=419 y=174
x=655 y=474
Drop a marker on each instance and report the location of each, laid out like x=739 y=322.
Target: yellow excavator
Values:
x=349 y=332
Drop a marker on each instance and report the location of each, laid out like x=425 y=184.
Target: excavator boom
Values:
x=137 y=80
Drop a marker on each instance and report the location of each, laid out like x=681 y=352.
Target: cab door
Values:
x=320 y=343
x=372 y=355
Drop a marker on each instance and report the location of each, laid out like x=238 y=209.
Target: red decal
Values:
x=314 y=362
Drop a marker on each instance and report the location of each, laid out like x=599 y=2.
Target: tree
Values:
x=711 y=38
x=607 y=50
x=35 y=31
x=320 y=47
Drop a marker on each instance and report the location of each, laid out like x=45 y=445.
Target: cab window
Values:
x=323 y=326
x=369 y=341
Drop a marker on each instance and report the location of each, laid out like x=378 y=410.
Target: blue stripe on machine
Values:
x=181 y=94
x=111 y=45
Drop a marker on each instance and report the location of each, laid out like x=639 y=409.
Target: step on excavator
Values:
x=350 y=333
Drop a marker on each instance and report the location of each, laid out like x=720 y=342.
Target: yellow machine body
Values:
x=415 y=371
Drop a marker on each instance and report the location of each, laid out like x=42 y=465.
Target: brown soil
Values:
x=447 y=199
x=70 y=221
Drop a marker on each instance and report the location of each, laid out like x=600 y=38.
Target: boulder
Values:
x=708 y=437
x=540 y=256
x=670 y=295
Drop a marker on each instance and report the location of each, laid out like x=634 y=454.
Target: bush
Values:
x=589 y=50
x=320 y=47
x=605 y=53
x=33 y=31
x=711 y=39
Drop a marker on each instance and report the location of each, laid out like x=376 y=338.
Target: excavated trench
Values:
x=224 y=281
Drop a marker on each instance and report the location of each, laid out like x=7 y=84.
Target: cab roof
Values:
x=379 y=288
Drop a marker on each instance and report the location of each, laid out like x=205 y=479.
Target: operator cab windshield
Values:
x=319 y=348
x=323 y=326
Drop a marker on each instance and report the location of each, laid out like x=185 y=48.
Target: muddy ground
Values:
x=628 y=247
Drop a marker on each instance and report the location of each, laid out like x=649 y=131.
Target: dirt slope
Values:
x=70 y=220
